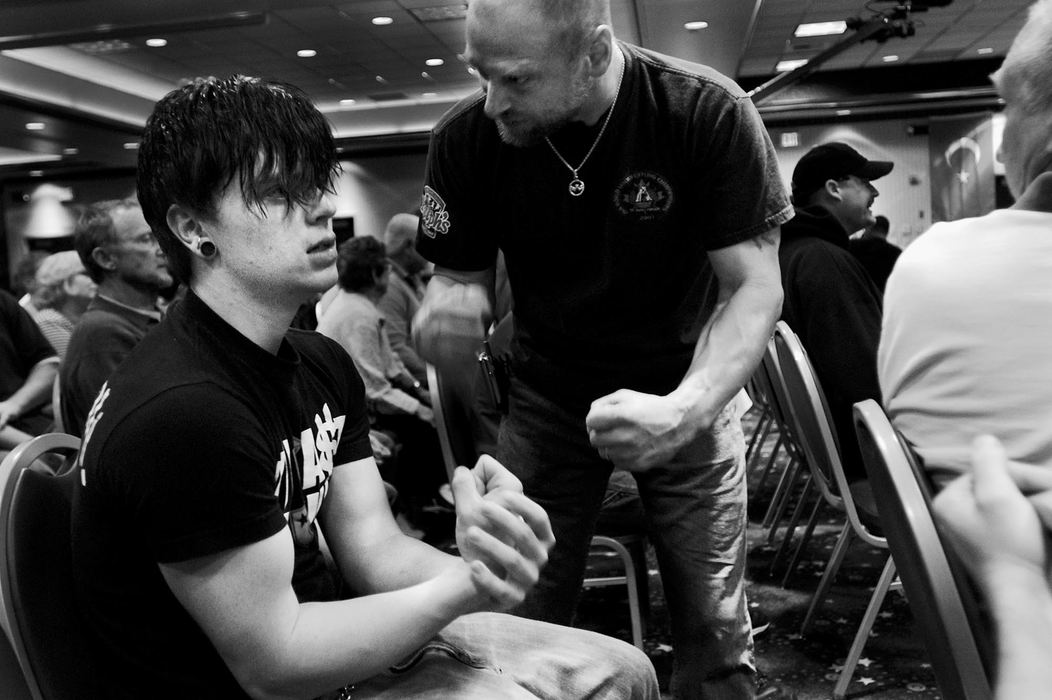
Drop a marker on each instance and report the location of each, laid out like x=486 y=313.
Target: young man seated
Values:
x=214 y=452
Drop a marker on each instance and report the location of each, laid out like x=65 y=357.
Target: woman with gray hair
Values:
x=62 y=292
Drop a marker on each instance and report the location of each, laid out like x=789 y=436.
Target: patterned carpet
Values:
x=893 y=664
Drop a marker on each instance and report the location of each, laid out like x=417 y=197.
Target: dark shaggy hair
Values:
x=201 y=136
x=361 y=259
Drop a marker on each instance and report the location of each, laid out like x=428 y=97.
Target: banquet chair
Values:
x=36 y=571
x=940 y=595
x=450 y=402
x=819 y=442
x=765 y=379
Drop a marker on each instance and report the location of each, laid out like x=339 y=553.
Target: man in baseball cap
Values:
x=839 y=178
x=830 y=300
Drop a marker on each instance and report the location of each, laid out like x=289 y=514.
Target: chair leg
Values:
x=812 y=520
x=792 y=474
x=781 y=480
x=877 y=599
x=828 y=575
x=794 y=520
x=759 y=436
x=770 y=429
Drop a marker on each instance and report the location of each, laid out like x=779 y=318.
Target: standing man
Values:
x=831 y=302
x=123 y=258
x=401 y=299
x=611 y=177
x=225 y=439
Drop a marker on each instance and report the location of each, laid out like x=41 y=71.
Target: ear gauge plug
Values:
x=205 y=247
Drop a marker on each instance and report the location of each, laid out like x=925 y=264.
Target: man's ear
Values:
x=185 y=224
x=103 y=259
x=600 y=50
x=832 y=188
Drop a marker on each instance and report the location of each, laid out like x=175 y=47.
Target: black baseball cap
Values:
x=833 y=161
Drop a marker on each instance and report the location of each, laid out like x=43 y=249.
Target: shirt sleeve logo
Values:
x=643 y=196
x=433 y=215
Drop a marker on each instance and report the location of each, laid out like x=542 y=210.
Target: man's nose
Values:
x=496 y=101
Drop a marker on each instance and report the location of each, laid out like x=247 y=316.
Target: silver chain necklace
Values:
x=577 y=184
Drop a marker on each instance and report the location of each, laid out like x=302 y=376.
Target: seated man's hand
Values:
x=8 y=412
x=637 y=431
x=502 y=535
x=994 y=527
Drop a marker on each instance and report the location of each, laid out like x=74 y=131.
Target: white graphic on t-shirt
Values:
x=94 y=415
x=434 y=218
x=316 y=450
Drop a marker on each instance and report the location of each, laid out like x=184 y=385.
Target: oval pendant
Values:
x=576 y=187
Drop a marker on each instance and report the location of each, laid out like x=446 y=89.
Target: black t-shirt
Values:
x=202 y=441
x=609 y=286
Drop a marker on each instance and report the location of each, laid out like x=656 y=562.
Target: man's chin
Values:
x=518 y=136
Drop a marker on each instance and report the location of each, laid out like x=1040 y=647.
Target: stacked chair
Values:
x=41 y=619
x=941 y=597
x=813 y=427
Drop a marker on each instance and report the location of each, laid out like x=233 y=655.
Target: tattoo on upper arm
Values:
x=767 y=238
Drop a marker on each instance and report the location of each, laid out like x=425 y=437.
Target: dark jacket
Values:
x=834 y=306
x=877 y=257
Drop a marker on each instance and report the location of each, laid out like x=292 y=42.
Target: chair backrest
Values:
x=36 y=573
x=768 y=380
x=56 y=405
x=940 y=596
x=818 y=439
x=452 y=421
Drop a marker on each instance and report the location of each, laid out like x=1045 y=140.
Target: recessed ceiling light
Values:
x=843 y=112
x=35 y=126
x=985 y=51
x=821 y=28
x=429 y=94
x=784 y=66
x=891 y=58
x=382 y=80
x=71 y=151
x=348 y=101
x=131 y=146
x=695 y=26
x=36 y=173
x=381 y=21
x=306 y=53
x=435 y=62
x=157 y=43
x=425 y=75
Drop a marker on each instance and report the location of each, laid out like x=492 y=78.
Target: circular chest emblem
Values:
x=643 y=196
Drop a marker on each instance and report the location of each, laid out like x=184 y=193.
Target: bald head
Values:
x=566 y=25
x=401 y=230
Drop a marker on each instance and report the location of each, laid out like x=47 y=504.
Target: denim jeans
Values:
x=696 y=517
x=488 y=656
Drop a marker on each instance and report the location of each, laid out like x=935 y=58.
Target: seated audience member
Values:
x=830 y=300
x=998 y=518
x=965 y=347
x=222 y=442
x=24 y=279
x=122 y=257
x=28 y=365
x=61 y=294
x=401 y=299
x=398 y=402
x=874 y=251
